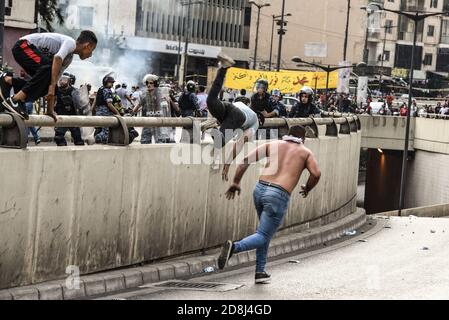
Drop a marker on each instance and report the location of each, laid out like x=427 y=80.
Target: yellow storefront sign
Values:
x=285 y=81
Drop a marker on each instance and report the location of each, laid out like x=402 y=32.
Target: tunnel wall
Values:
x=103 y=207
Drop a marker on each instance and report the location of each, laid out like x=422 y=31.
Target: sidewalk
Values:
x=179 y=268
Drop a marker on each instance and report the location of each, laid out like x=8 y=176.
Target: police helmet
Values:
x=108 y=79
x=262 y=83
x=307 y=90
x=191 y=85
x=151 y=78
x=69 y=76
x=276 y=93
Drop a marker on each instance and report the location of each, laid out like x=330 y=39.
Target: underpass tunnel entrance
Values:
x=383 y=180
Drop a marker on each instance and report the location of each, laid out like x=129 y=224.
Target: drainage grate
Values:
x=189 y=285
x=198 y=286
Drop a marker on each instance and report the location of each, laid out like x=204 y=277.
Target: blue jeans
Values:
x=33 y=130
x=271 y=204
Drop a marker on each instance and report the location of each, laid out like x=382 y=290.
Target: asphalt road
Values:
x=400 y=258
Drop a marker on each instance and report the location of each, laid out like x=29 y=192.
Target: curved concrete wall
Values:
x=432 y=135
x=105 y=207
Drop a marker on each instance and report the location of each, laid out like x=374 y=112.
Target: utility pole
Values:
x=2 y=29
x=271 y=43
x=281 y=33
x=272 y=36
x=365 y=49
x=187 y=37
x=257 y=38
x=180 y=35
x=259 y=6
x=382 y=56
x=107 y=19
x=347 y=31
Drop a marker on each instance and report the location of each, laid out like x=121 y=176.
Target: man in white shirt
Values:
x=123 y=93
x=44 y=56
x=202 y=100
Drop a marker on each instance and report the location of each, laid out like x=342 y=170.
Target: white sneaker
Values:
x=225 y=61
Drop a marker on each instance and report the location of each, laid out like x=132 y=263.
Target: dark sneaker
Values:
x=225 y=61
x=5 y=88
x=37 y=142
x=16 y=107
x=226 y=253
x=262 y=278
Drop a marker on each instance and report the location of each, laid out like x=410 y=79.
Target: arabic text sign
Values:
x=285 y=81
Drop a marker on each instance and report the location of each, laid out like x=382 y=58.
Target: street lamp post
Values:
x=2 y=29
x=415 y=16
x=365 y=49
x=326 y=68
x=281 y=34
x=259 y=7
x=272 y=35
x=189 y=4
x=345 y=46
x=382 y=56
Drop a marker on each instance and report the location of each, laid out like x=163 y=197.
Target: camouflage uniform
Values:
x=104 y=96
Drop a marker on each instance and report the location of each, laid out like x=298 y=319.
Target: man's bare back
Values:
x=286 y=162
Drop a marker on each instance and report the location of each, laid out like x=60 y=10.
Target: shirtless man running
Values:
x=287 y=159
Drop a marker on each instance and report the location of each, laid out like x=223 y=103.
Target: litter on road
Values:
x=209 y=269
x=294 y=261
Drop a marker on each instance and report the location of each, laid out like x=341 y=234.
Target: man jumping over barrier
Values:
x=44 y=56
x=287 y=159
x=231 y=116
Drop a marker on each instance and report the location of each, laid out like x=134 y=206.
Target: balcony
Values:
x=408 y=36
x=412 y=5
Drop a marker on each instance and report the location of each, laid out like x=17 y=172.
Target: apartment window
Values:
x=86 y=16
x=390 y=0
x=386 y=55
x=444 y=32
x=430 y=31
x=433 y=3
x=388 y=25
x=427 y=59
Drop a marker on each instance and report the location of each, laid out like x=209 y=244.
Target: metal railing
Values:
x=14 y=129
x=433 y=116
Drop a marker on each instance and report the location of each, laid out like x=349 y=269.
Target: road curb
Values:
x=181 y=268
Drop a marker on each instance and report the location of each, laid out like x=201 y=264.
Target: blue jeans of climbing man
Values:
x=271 y=204
x=102 y=134
x=33 y=130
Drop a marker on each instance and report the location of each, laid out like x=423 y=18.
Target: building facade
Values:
x=315 y=32
x=150 y=31
x=109 y=17
x=396 y=34
x=19 y=21
x=215 y=25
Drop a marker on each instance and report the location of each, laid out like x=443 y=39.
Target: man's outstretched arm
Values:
x=236 y=148
x=315 y=175
x=255 y=156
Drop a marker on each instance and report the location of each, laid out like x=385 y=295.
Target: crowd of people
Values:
x=44 y=58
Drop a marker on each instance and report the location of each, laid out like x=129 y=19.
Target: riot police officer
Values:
x=67 y=103
x=305 y=107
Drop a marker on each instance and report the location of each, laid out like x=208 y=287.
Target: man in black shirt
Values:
x=261 y=103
